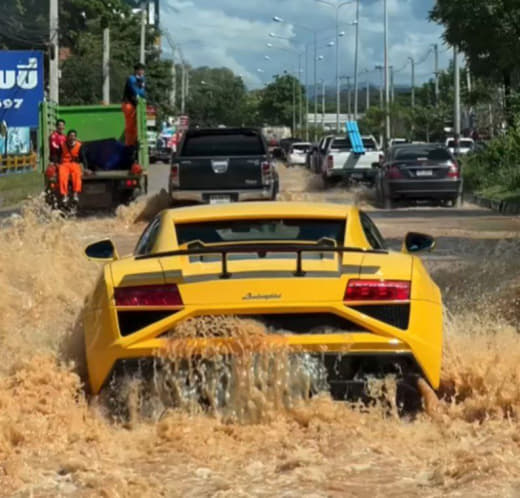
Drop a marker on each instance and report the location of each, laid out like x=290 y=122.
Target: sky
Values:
x=234 y=34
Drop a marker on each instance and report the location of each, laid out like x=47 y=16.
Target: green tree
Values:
x=276 y=105
x=488 y=33
x=216 y=96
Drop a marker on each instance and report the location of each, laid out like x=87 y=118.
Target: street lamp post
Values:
x=387 y=77
x=297 y=77
x=315 y=39
x=338 y=6
x=356 y=65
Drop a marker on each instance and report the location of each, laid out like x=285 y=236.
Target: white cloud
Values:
x=234 y=33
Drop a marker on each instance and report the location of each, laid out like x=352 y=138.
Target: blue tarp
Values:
x=355 y=137
x=108 y=155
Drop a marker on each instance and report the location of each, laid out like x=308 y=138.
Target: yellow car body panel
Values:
x=265 y=287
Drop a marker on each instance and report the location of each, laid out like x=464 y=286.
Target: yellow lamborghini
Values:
x=321 y=273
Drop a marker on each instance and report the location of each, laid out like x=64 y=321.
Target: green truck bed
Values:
x=96 y=122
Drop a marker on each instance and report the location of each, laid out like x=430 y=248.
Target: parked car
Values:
x=214 y=166
x=340 y=162
x=419 y=172
x=397 y=141
x=466 y=145
x=298 y=153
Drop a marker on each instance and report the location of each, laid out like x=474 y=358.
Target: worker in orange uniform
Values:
x=70 y=167
x=134 y=90
x=56 y=140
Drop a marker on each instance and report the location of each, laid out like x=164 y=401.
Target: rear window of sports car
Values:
x=293 y=230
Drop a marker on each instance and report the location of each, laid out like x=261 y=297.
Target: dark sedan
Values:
x=419 y=172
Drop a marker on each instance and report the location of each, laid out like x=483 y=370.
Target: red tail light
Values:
x=377 y=290
x=51 y=171
x=131 y=183
x=136 y=169
x=454 y=170
x=266 y=172
x=174 y=175
x=394 y=173
x=330 y=162
x=149 y=295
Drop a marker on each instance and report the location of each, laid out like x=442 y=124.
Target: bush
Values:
x=497 y=167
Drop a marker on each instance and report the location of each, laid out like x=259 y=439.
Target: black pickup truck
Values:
x=214 y=166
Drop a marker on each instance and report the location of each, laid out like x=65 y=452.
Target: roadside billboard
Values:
x=21 y=91
x=21 y=87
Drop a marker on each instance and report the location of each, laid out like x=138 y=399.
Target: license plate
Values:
x=357 y=176
x=94 y=188
x=424 y=172
x=219 y=199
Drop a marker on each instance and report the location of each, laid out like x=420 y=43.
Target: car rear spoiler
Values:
x=261 y=249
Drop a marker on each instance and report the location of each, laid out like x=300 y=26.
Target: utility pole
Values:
x=294 y=107
x=392 y=86
x=142 y=55
x=106 y=66
x=323 y=103
x=368 y=96
x=436 y=49
x=381 y=83
x=356 y=65
x=300 y=100
x=54 y=69
x=307 y=92
x=413 y=81
x=183 y=87
x=315 y=84
x=173 y=94
x=338 y=89
x=457 y=93
x=387 y=78
x=349 y=99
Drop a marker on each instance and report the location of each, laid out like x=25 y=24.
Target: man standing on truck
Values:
x=70 y=159
x=56 y=140
x=134 y=90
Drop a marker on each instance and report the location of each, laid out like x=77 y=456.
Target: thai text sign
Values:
x=21 y=87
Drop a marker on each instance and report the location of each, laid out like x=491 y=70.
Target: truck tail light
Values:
x=394 y=173
x=51 y=172
x=174 y=175
x=330 y=162
x=454 y=170
x=136 y=169
x=148 y=295
x=377 y=290
x=267 y=174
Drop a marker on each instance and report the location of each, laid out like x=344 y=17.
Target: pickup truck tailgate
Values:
x=221 y=172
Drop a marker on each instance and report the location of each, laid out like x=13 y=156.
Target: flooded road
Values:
x=55 y=441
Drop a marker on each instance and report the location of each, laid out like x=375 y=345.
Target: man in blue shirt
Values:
x=134 y=90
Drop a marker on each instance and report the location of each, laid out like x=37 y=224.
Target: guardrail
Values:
x=11 y=164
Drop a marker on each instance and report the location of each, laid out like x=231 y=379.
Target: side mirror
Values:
x=103 y=250
x=418 y=242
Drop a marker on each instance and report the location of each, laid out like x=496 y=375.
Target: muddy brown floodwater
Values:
x=55 y=441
